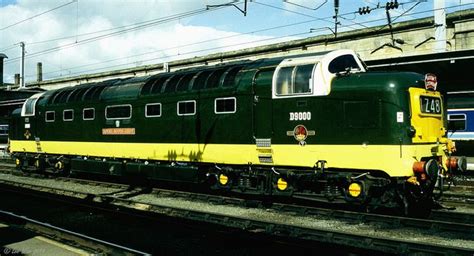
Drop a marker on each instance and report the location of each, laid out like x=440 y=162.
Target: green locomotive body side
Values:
x=240 y=116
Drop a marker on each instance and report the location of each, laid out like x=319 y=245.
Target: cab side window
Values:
x=294 y=80
x=283 y=86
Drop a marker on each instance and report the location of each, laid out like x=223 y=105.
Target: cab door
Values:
x=263 y=114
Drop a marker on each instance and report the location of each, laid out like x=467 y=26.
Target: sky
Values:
x=74 y=37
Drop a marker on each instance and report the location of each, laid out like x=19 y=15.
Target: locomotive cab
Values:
x=25 y=122
x=312 y=76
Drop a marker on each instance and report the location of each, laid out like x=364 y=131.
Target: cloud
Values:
x=75 y=23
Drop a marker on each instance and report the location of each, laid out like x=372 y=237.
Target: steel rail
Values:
x=127 y=191
x=81 y=239
x=268 y=227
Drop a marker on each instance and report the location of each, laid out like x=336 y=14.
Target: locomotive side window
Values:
x=225 y=105
x=50 y=116
x=186 y=108
x=457 y=122
x=88 y=114
x=294 y=80
x=153 y=110
x=118 y=112
x=4 y=129
x=68 y=115
x=343 y=63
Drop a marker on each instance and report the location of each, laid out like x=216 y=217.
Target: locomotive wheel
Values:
x=39 y=165
x=62 y=168
x=418 y=200
x=19 y=164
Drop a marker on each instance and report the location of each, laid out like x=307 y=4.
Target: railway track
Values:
x=63 y=237
x=460 y=226
x=452 y=199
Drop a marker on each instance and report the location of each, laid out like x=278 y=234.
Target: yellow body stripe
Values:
x=396 y=160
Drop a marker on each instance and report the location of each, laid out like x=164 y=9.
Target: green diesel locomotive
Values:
x=313 y=126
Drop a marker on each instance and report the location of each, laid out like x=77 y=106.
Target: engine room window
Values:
x=225 y=105
x=68 y=115
x=153 y=110
x=343 y=63
x=186 y=108
x=457 y=122
x=88 y=114
x=118 y=112
x=50 y=116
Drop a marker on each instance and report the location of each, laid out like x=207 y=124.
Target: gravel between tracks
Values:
x=403 y=234
x=53 y=183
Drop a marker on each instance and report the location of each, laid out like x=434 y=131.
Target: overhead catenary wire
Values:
x=137 y=26
x=202 y=50
x=306 y=7
x=181 y=54
x=37 y=15
x=191 y=44
x=367 y=22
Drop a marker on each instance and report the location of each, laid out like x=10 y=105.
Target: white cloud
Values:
x=153 y=44
x=101 y=15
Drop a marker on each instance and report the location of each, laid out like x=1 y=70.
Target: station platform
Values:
x=18 y=241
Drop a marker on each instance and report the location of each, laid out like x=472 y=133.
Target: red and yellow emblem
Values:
x=300 y=132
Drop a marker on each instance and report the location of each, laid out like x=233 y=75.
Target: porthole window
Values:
x=153 y=110
x=118 y=112
x=68 y=115
x=186 y=108
x=50 y=116
x=88 y=114
x=225 y=105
